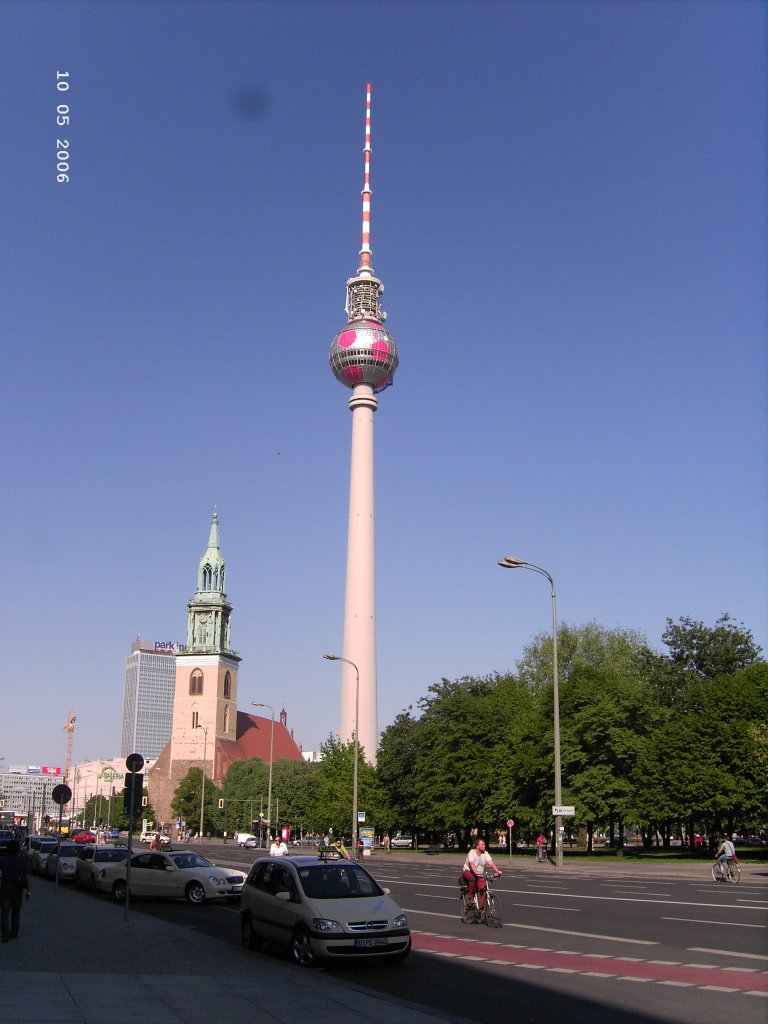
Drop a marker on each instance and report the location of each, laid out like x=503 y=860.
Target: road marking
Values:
x=726 y=924
x=717 y=988
x=678 y=984
x=538 y=906
x=540 y=928
x=763 y=994
x=629 y=977
x=727 y=952
x=597 y=974
x=564 y=970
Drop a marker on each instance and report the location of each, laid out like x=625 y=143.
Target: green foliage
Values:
x=333 y=785
x=646 y=738
x=187 y=801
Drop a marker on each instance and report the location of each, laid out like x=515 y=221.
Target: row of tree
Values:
x=668 y=742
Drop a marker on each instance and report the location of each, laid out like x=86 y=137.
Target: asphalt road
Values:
x=600 y=945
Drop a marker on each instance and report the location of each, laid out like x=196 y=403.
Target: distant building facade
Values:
x=207 y=730
x=25 y=793
x=150 y=684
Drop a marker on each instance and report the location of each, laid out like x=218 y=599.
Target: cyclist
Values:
x=541 y=848
x=477 y=863
x=725 y=852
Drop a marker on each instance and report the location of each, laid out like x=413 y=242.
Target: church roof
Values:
x=253 y=740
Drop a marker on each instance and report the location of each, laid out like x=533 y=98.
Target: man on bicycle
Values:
x=477 y=863
x=726 y=851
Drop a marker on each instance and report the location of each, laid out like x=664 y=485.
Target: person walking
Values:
x=14 y=887
x=386 y=843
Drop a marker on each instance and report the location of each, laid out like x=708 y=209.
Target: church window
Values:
x=195 y=719
x=215 y=579
x=196 y=683
x=227 y=686
x=226 y=717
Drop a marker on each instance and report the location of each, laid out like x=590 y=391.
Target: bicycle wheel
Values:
x=467 y=915
x=734 y=872
x=717 y=875
x=492 y=918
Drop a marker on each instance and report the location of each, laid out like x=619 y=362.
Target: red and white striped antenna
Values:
x=365 y=251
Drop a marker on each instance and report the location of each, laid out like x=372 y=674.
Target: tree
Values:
x=333 y=785
x=187 y=799
x=397 y=771
x=710 y=651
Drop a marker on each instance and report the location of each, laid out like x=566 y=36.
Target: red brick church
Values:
x=208 y=731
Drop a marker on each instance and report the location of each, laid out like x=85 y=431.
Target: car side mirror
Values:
x=387 y=890
x=284 y=897
x=169 y=867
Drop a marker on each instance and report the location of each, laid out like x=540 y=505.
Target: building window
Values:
x=226 y=717
x=195 y=720
x=227 y=686
x=196 y=683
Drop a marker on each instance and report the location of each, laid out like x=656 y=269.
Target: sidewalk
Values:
x=77 y=961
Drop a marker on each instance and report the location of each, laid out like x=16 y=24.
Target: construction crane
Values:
x=69 y=725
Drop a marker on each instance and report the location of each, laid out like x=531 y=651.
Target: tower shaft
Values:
x=360 y=601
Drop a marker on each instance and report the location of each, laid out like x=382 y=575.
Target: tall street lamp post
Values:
x=202 y=788
x=337 y=657
x=518 y=563
x=271 y=748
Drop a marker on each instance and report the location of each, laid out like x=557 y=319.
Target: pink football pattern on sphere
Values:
x=363 y=353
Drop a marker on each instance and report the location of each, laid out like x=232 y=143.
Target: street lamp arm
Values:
x=510 y=562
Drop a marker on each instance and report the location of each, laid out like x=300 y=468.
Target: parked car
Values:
x=40 y=854
x=62 y=861
x=321 y=909
x=179 y=874
x=6 y=835
x=402 y=842
x=114 y=833
x=91 y=862
x=84 y=836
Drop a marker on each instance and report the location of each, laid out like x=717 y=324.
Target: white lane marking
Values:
x=608 y=899
x=763 y=994
x=539 y=928
x=635 y=891
x=704 y=967
x=716 y=988
x=726 y=924
x=678 y=984
x=742 y=970
x=629 y=977
x=727 y=952
x=563 y=970
x=666 y=963
x=538 y=906
x=597 y=974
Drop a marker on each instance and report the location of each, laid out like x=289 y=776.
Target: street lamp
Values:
x=518 y=563
x=202 y=788
x=271 y=747
x=337 y=657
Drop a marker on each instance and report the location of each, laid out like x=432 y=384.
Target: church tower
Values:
x=205 y=702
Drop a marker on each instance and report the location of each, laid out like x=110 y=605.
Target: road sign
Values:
x=564 y=812
x=61 y=795
x=510 y=822
x=361 y=817
x=134 y=762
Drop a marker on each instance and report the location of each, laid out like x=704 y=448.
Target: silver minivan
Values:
x=321 y=909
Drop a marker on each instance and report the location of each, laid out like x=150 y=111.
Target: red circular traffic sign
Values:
x=510 y=822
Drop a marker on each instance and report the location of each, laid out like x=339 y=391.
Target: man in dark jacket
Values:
x=13 y=888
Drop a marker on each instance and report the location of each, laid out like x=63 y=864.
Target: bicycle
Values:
x=732 y=872
x=541 y=853
x=489 y=915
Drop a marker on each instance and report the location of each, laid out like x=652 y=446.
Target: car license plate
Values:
x=367 y=943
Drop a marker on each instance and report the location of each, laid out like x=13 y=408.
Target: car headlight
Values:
x=322 y=924
x=401 y=921
x=216 y=880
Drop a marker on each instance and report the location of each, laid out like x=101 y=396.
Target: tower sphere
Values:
x=363 y=353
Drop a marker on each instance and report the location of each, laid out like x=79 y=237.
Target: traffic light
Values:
x=134 y=783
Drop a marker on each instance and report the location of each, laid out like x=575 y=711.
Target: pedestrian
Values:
x=155 y=842
x=14 y=888
x=341 y=849
x=386 y=843
x=278 y=848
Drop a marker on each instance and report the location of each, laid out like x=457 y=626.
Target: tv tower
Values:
x=363 y=357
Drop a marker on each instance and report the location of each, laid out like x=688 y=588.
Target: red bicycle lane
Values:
x=585 y=963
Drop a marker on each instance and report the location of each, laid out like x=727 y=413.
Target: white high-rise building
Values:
x=150 y=683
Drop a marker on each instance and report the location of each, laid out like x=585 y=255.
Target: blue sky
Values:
x=569 y=220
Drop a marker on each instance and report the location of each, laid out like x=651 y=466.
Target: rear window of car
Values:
x=112 y=856
x=337 y=881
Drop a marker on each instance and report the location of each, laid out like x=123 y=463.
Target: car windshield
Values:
x=68 y=850
x=190 y=860
x=340 y=880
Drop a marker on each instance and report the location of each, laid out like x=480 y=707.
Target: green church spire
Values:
x=209 y=611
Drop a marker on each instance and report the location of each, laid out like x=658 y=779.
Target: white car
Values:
x=147 y=837
x=179 y=874
x=321 y=908
x=91 y=862
x=62 y=861
x=402 y=843
x=39 y=855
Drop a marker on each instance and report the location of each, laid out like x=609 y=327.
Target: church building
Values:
x=208 y=731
